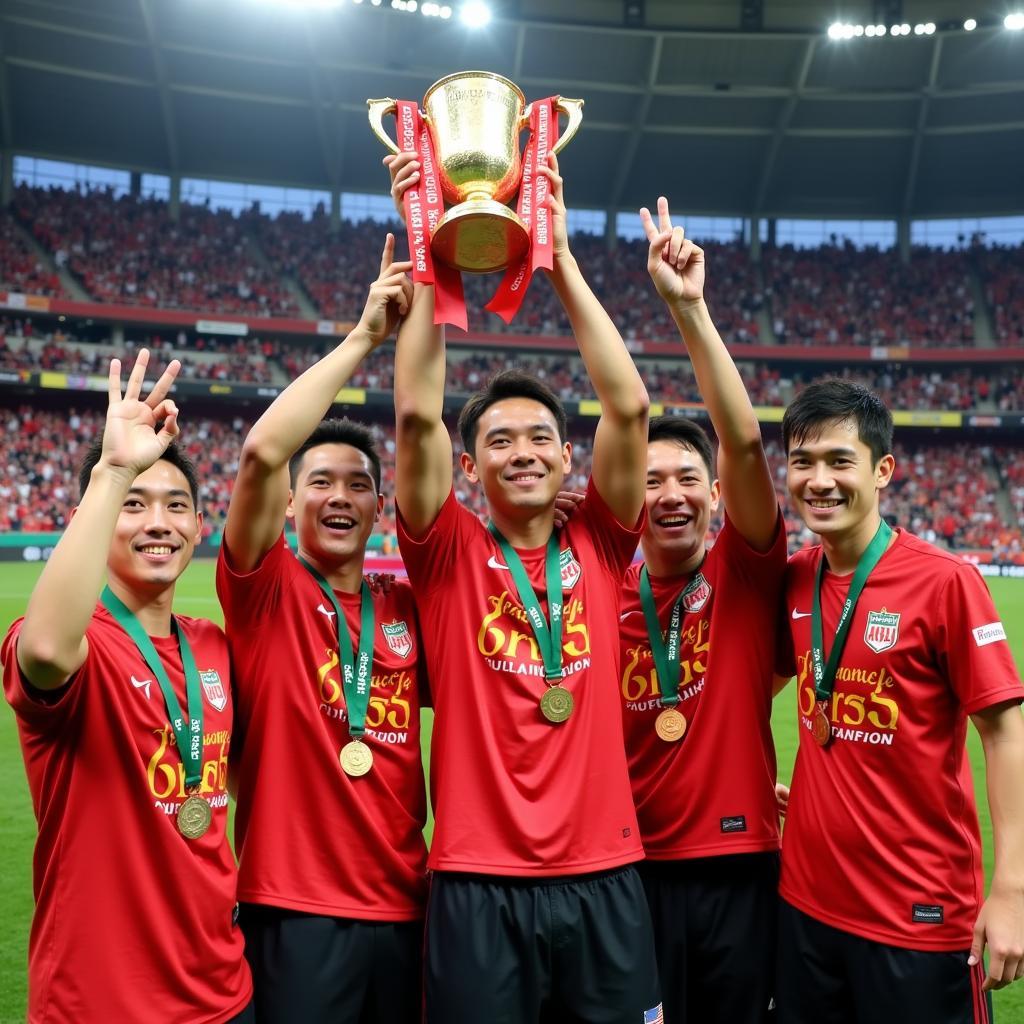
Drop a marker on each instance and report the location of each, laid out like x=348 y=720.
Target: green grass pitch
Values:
x=196 y=597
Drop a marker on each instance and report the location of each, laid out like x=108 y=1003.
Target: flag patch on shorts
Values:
x=655 y=1016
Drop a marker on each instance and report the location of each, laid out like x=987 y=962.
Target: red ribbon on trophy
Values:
x=533 y=211
x=423 y=210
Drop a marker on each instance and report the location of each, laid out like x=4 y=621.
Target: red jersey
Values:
x=514 y=794
x=686 y=805
x=881 y=836
x=308 y=836
x=130 y=915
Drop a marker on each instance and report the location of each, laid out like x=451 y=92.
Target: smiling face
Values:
x=680 y=501
x=518 y=458
x=334 y=503
x=157 y=530
x=834 y=482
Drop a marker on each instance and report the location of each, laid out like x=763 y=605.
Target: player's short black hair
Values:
x=837 y=400
x=687 y=434
x=174 y=454
x=339 y=431
x=508 y=384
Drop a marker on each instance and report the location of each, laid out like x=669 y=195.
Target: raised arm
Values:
x=423 y=449
x=677 y=267
x=260 y=496
x=620 y=442
x=1000 y=924
x=52 y=645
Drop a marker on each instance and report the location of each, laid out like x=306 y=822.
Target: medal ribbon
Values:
x=825 y=672
x=189 y=737
x=423 y=210
x=548 y=640
x=356 y=670
x=533 y=211
x=665 y=652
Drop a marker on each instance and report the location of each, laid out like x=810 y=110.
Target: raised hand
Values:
x=405 y=173
x=556 y=204
x=675 y=264
x=390 y=296
x=131 y=440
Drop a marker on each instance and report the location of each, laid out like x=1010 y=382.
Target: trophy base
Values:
x=480 y=236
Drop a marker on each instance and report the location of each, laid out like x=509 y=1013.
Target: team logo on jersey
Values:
x=571 y=569
x=697 y=593
x=398 y=638
x=216 y=695
x=141 y=684
x=882 y=630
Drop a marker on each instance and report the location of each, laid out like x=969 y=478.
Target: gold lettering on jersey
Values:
x=854 y=715
x=640 y=677
x=166 y=777
x=500 y=638
x=389 y=707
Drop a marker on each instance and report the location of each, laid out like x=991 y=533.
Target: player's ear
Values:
x=380 y=508
x=884 y=471
x=567 y=456
x=716 y=494
x=71 y=514
x=290 y=509
x=468 y=467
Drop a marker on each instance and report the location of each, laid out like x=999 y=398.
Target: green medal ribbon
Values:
x=548 y=640
x=665 y=652
x=189 y=737
x=355 y=670
x=825 y=672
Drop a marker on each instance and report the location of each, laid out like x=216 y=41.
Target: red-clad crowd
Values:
x=21 y=269
x=1001 y=269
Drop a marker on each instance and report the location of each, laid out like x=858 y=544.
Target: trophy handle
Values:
x=573 y=109
x=378 y=110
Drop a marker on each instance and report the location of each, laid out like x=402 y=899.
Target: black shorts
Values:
x=329 y=969
x=247 y=1016
x=828 y=976
x=715 y=923
x=526 y=950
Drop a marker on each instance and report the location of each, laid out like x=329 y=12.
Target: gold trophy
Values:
x=474 y=119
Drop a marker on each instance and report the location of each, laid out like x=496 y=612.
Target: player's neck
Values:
x=844 y=551
x=151 y=608
x=345 y=576
x=668 y=563
x=525 y=531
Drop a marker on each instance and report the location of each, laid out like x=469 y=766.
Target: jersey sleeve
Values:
x=432 y=557
x=785 y=653
x=760 y=568
x=615 y=544
x=41 y=710
x=972 y=646
x=249 y=597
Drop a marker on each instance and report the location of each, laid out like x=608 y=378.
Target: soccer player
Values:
x=697 y=658
x=896 y=644
x=331 y=798
x=124 y=713
x=535 y=905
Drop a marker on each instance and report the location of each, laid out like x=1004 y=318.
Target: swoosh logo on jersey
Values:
x=493 y=563
x=626 y=615
x=140 y=683
x=325 y=611
x=801 y=615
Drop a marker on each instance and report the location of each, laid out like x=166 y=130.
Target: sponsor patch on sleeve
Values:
x=989 y=634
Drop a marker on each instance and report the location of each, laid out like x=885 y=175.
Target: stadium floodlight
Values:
x=1014 y=22
x=880 y=30
x=904 y=29
x=869 y=31
x=929 y=28
x=970 y=25
x=835 y=30
x=919 y=30
x=475 y=14
x=858 y=30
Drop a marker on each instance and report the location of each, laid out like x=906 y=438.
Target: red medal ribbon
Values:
x=533 y=211
x=423 y=210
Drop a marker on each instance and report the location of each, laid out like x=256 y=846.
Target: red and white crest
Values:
x=398 y=638
x=696 y=594
x=571 y=569
x=216 y=695
x=882 y=630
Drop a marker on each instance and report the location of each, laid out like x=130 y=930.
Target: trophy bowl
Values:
x=475 y=119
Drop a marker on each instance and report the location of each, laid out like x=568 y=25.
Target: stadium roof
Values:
x=784 y=122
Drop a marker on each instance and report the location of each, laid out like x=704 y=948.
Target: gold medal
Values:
x=670 y=725
x=821 y=727
x=356 y=758
x=194 y=817
x=556 y=704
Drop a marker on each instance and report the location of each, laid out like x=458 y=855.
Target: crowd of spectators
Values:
x=21 y=269
x=128 y=249
x=946 y=494
x=1001 y=268
x=843 y=295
